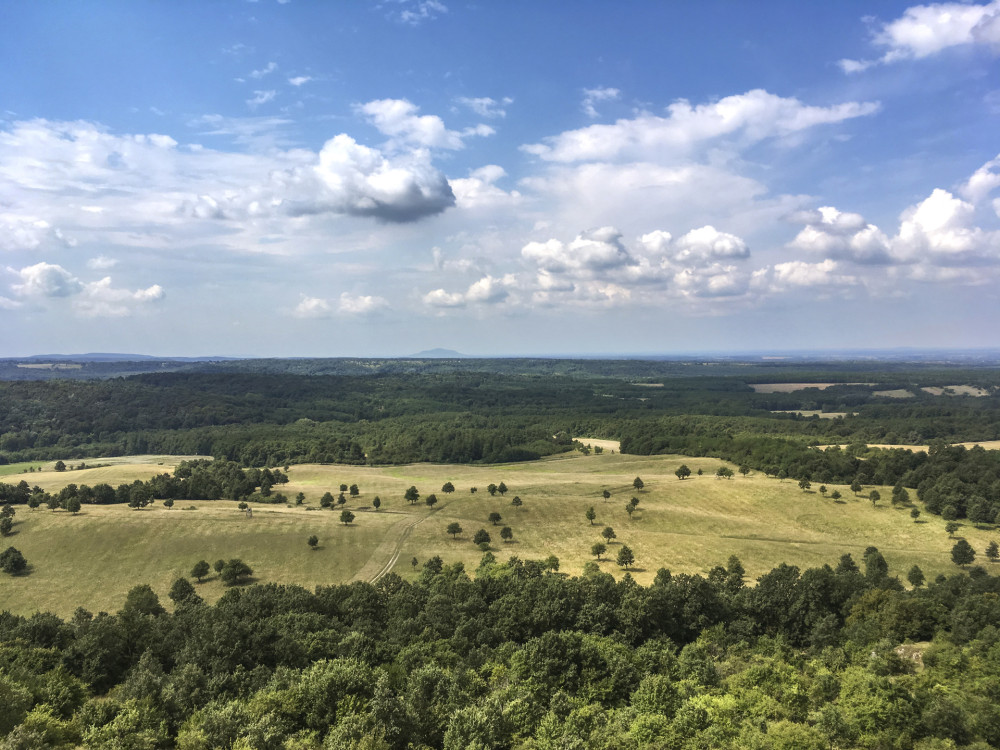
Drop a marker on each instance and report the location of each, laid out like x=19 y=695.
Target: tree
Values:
x=914 y=514
x=835 y=495
x=431 y=500
x=168 y=503
x=962 y=553
x=608 y=533
x=683 y=472
x=599 y=548
x=60 y=466
x=638 y=483
x=182 y=590
x=494 y=518
x=517 y=502
x=341 y=499
x=634 y=502
x=411 y=495
x=491 y=488
x=72 y=505
x=874 y=496
x=313 y=541
x=300 y=498
x=502 y=488
x=625 y=557
x=606 y=494
x=454 y=528
x=346 y=516
x=326 y=501
x=12 y=561
x=506 y=533
x=856 y=487
x=744 y=469
x=376 y=502
x=343 y=487
x=915 y=577
x=235 y=571
x=6 y=525
x=724 y=472
x=822 y=490
x=992 y=551
x=354 y=490
x=218 y=565
x=473 y=490
x=414 y=562
x=804 y=484
x=630 y=509
x=200 y=570
x=591 y=514
x=447 y=487
x=482 y=537
x=951 y=527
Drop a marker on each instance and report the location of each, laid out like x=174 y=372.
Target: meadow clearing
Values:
x=92 y=559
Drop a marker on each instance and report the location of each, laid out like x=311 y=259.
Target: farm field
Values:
x=94 y=558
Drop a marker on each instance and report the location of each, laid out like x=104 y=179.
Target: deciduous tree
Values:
x=506 y=533
x=683 y=472
x=608 y=533
x=447 y=487
x=638 y=483
x=346 y=516
x=200 y=570
x=625 y=557
x=962 y=553
x=313 y=541
x=591 y=514
x=495 y=518
x=598 y=549
x=12 y=561
x=454 y=528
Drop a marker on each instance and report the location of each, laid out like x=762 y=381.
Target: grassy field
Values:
x=92 y=559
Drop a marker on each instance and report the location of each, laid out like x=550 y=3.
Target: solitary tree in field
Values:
x=874 y=496
x=376 y=502
x=502 y=488
x=962 y=553
x=804 y=484
x=411 y=495
x=491 y=488
x=992 y=551
x=346 y=517
x=606 y=494
x=200 y=570
x=218 y=565
x=313 y=541
x=447 y=487
x=630 y=509
x=835 y=495
x=354 y=490
x=638 y=483
x=326 y=501
x=235 y=571
x=517 y=502
x=343 y=488
x=598 y=549
x=634 y=502
x=915 y=577
x=744 y=469
x=951 y=527
x=183 y=591
x=608 y=533
x=506 y=533
x=12 y=561
x=431 y=500
x=494 y=518
x=60 y=466
x=724 y=472
x=625 y=557
x=6 y=525
x=683 y=472
x=341 y=499
x=914 y=514
x=454 y=528
x=822 y=490
x=591 y=514
x=414 y=562
x=856 y=487
x=168 y=503
x=473 y=490
x=300 y=498
x=482 y=537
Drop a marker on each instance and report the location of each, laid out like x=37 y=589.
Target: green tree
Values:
x=72 y=504
x=608 y=533
x=346 y=517
x=962 y=553
x=598 y=549
x=992 y=551
x=606 y=494
x=625 y=557
x=218 y=565
x=630 y=509
x=502 y=488
x=431 y=500
x=591 y=514
x=235 y=571
x=638 y=483
x=376 y=502
x=491 y=488
x=874 y=496
x=856 y=487
x=804 y=484
x=6 y=525
x=343 y=487
x=835 y=495
x=473 y=490
x=200 y=570
x=683 y=472
x=313 y=541
x=12 y=561
x=744 y=469
x=634 y=502
x=182 y=591
x=300 y=498
x=454 y=528
x=494 y=518
x=914 y=514
x=951 y=527
x=482 y=537
x=447 y=487
x=327 y=500
x=915 y=577
x=411 y=495
x=354 y=490
x=60 y=466
x=724 y=472
x=168 y=503
x=517 y=502
x=506 y=533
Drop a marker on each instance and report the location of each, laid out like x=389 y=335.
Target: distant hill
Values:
x=106 y=357
x=438 y=354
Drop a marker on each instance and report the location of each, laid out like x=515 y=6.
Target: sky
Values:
x=377 y=178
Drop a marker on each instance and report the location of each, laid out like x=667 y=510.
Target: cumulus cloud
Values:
x=398 y=119
x=750 y=117
x=22 y=232
x=485 y=106
x=360 y=304
x=46 y=280
x=593 y=251
x=313 y=307
x=706 y=244
x=486 y=291
x=941 y=228
x=593 y=96
x=265 y=71
x=92 y=299
x=926 y=30
x=479 y=190
x=414 y=12
x=101 y=263
x=299 y=80
x=835 y=234
x=799 y=273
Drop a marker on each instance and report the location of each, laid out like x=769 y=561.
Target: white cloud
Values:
x=100 y=300
x=593 y=96
x=750 y=117
x=984 y=181
x=835 y=234
x=941 y=229
x=101 y=263
x=798 y=273
x=593 y=251
x=46 y=280
x=485 y=106
x=360 y=304
x=706 y=244
x=487 y=291
x=299 y=80
x=414 y=12
x=398 y=119
x=261 y=97
x=478 y=190
x=313 y=307
x=265 y=71
x=926 y=30
x=8 y=304
x=22 y=232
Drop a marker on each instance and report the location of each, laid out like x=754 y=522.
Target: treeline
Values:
x=520 y=657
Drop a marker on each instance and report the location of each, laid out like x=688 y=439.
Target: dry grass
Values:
x=956 y=390
x=792 y=387
x=894 y=393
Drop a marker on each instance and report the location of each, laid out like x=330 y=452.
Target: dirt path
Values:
x=380 y=552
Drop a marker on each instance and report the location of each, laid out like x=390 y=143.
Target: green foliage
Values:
x=346 y=517
x=12 y=561
x=962 y=553
x=313 y=541
x=235 y=572
x=200 y=570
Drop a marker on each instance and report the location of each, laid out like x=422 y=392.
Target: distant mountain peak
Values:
x=438 y=354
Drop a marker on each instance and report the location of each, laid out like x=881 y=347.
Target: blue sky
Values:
x=377 y=178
